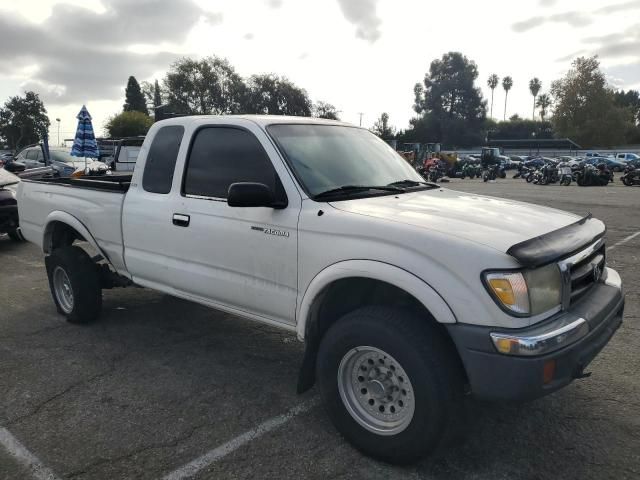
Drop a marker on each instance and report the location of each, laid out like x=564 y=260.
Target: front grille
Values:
x=585 y=273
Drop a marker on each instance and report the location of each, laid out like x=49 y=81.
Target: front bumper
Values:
x=569 y=340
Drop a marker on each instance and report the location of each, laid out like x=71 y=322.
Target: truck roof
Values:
x=261 y=120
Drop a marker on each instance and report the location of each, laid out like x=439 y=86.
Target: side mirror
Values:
x=247 y=194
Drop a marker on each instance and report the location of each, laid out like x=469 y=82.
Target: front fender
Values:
x=375 y=270
x=73 y=222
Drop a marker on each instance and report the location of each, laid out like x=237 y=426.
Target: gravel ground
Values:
x=159 y=382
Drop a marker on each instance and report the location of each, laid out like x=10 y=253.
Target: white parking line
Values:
x=624 y=240
x=18 y=451
x=225 y=449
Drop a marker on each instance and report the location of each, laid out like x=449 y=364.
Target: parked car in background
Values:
x=124 y=153
x=625 y=157
x=61 y=160
x=592 y=154
x=611 y=163
x=9 y=206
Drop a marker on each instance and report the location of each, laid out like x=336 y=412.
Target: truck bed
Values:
x=115 y=183
x=94 y=202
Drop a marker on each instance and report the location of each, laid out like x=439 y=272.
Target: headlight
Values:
x=527 y=292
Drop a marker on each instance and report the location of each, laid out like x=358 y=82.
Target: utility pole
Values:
x=58 y=120
x=361 y=114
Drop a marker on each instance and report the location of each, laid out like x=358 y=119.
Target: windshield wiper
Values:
x=411 y=183
x=358 y=188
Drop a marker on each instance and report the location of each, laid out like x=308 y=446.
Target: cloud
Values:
x=618 y=7
x=547 y=3
x=248 y=36
x=79 y=55
x=574 y=19
x=274 y=3
x=362 y=13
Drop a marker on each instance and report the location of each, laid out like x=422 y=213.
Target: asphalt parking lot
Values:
x=161 y=387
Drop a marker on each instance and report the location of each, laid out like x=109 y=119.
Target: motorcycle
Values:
x=631 y=176
x=590 y=176
x=548 y=173
x=470 y=170
x=565 y=174
x=491 y=172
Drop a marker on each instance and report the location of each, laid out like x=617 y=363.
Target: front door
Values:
x=243 y=258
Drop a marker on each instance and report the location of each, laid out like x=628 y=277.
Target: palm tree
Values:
x=507 y=83
x=534 y=87
x=492 y=82
x=543 y=103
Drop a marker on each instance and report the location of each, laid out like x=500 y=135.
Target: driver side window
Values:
x=221 y=156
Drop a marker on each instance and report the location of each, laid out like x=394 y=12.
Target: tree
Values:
x=518 y=129
x=450 y=106
x=492 y=82
x=325 y=110
x=382 y=128
x=128 y=124
x=270 y=94
x=585 y=108
x=23 y=120
x=207 y=86
x=157 y=96
x=543 y=103
x=534 y=87
x=134 y=99
x=507 y=83
x=631 y=101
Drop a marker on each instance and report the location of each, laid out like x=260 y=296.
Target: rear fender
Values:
x=73 y=222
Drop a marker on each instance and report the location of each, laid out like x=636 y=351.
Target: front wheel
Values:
x=74 y=281
x=626 y=180
x=389 y=383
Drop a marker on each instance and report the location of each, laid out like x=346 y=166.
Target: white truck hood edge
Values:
x=495 y=222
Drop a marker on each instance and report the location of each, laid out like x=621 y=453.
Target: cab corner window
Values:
x=161 y=159
x=221 y=156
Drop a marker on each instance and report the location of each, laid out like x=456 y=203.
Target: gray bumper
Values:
x=570 y=339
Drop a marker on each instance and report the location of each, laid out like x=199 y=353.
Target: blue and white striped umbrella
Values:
x=84 y=144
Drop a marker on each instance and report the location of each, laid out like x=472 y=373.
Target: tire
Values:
x=74 y=282
x=626 y=180
x=485 y=177
x=422 y=374
x=16 y=235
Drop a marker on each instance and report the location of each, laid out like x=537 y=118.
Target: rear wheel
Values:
x=389 y=383
x=626 y=180
x=74 y=281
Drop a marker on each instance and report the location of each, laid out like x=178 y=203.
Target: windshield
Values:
x=326 y=157
x=62 y=156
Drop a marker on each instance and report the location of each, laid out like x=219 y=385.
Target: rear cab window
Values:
x=161 y=159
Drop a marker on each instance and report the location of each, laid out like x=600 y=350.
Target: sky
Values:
x=363 y=56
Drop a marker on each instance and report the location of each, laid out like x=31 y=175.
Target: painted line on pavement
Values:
x=624 y=240
x=195 y=466
x=18 y=451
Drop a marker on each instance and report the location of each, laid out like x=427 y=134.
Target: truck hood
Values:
x=495 y=222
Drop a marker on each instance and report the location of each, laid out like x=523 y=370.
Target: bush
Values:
x=129 y=124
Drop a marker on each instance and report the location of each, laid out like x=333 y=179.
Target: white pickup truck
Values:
x=407 y=295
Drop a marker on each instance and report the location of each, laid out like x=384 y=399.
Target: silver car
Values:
x=61 y=160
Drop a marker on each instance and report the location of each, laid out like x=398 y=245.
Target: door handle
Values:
x=181 y=220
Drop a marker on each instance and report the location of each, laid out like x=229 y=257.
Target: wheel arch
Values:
x=62 y=226
x=360 y=283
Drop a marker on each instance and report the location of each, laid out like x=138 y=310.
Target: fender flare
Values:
x=73 y=222
x=384 y=272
